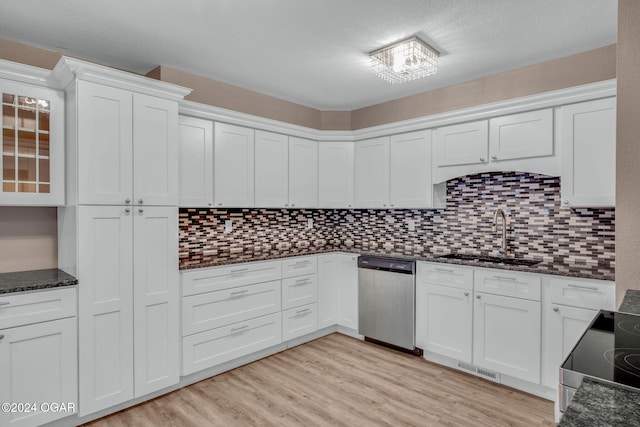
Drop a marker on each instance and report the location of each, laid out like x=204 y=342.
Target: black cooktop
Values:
x=609 y=349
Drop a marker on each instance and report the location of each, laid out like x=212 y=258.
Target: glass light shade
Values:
x=404 y=61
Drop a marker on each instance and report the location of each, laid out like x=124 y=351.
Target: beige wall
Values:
x=25 y=54
x=628 y=149
x=28 y=238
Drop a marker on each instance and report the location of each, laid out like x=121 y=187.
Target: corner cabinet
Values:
x=588 y=133
x=122 y=190
x=335 y=174
x=32 y=141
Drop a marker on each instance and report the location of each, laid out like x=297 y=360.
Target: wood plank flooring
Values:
x=339 y=381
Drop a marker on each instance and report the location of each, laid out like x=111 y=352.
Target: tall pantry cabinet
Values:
x=118 y=232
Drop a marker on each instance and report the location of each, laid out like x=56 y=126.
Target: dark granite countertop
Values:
x=556 y=267
x=35 y=280
x=630 y=302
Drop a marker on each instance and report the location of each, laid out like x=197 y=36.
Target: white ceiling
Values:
x=312 y=52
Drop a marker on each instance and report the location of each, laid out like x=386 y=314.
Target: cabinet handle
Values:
x=384 y=206
x=494 y=157
x=566 y=202
x=466 y=294
x=127 y=210
x=511 y=279
x=140 y=201
x=477 y=296
x=209 y=204
x=301 y=282
x=556 y=309
x=240 y=270
x=293 y=205
x=140 y=210
x=4 y=303
x=239 y=328
x=443 y=270
x=219 y=203
x=286 y=205
x=482 y=159
x=299 y=263
x=127 y=200
x=244 y=291
x=586 y=288
x=304 y=310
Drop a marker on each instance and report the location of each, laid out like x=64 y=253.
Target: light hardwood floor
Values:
x=339 y=381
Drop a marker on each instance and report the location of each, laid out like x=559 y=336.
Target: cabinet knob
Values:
x=219 y=203
x=384 y=206
x=140 y=201
x=466 y=294
x=349 y=205
x=140 y=210
x=1 y=337
x=566 y=202
x=293 y=205
x=482 y=159
x=393 y=205
x=286 y=205
x=556 y=309
x=478 y=296
x=494 y=157
x=127 y=210
x=127 y=200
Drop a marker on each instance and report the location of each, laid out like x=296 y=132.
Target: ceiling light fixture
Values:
x=404 y=61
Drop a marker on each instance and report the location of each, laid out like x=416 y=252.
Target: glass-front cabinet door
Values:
x=32 y=140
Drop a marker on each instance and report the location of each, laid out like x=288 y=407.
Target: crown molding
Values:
x=27 y=74
x=67 y=70
x=602 y=89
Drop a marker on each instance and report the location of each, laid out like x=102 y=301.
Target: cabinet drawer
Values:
x=299 y=321
x=299 y=266
x=507 y=283
x=230 y=276
x=33 y=307
x=301 y=290
x=211 y=348
x=220 y=308
x=445 y=275
x=582 y=293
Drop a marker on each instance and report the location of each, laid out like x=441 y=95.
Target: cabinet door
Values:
x=348 y=290
x=520 y=136
x=32 y=141
x=328 y=290
x=105 y=144
x=233 y=166
x=335 y=174
x=196 y=162
x=156 y=299
x=271 y=170
x=372 y=173
x=38 y=364
x=589 y=153
x=444 y=318
x=506 y=336
x=564 y=326
x=410 y=170
x=303 y=173
x=463 y=144
x=155 y=151
x=105 y=301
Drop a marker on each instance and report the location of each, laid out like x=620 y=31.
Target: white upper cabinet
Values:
x=410 y=170
x=372 y=173
x=335 y=174
x=520 y=136
x=303 y=173
x=271 y=170
x=127 y=147
x=233 y=166
x=463 y=144
x=105 y=144
x=588 y=135
x=32 y=141
x=196 y=162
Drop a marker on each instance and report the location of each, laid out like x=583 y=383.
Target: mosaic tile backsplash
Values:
x=538 y=226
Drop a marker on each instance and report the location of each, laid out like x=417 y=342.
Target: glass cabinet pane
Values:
x=26 y=142
x=8 y=168
x=9 y=141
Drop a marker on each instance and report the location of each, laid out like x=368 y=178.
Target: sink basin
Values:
x=495 y=260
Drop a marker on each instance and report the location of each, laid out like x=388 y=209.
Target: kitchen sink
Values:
x=494 y=260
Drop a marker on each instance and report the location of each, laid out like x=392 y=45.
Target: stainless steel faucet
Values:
x=503 y=250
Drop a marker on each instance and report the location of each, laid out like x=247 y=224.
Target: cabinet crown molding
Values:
x=27 y=74
x=68 y=70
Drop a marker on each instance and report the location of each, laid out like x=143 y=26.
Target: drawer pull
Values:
x=443 y=270
x=304 y=310
x=239 y=328
x=586 y=288
x=240 y=270
x=301 y=282
x=511 y=279
x=4 y=303
x=301 y=263
x=244 y=291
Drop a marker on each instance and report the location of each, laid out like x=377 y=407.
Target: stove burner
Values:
x=625 y=359
x=630 y=327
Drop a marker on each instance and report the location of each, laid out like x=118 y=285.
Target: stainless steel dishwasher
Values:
x=386 y=301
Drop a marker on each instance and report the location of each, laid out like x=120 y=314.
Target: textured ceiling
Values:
x=313 y=52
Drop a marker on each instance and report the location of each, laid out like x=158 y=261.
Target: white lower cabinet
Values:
x=299 y=321
x=328 y=290
x=301 y=290
x=507 y=335
x=38 y=356
x=347 y=272
x=216 y=346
